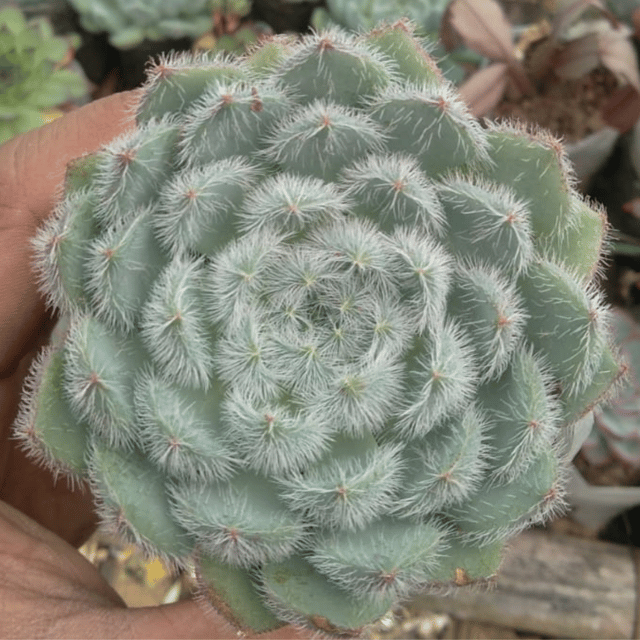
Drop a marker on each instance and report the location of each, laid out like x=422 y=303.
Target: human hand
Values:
x=47 y=589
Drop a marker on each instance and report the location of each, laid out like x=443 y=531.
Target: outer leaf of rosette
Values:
x=269 y=55
x=173 y=86
x=464 y=563
x=574 y=406
x=46 y=426
x=567 y=324
x=522 y=412
x=242 y=521
x=410 y=60
x=297 y=593
x=534 y=167
x=80 y=173
x=100 y=366
x=62 y=248
x=579 y=248
x=439 y=115
x=231 y=119
x=132 y=499
x=499 y=511
x=233 y=593
x=334 y=66
x=133 y=168
x=116 y=283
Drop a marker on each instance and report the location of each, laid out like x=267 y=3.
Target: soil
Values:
x=612 y=473
x=568 y=108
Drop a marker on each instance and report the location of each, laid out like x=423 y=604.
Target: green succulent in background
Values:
x=623 y=9
x=32 y=77
x=363 y=15
x=41 y=7
x=616 y=432
x=231 y=8
x=327 y=336
x=130 y=22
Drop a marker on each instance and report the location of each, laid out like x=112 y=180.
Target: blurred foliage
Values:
x=34 y=77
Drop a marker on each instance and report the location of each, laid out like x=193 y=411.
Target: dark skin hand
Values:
x=47 y=589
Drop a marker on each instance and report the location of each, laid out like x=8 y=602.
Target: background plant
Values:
x=579 y=38
x=615 y=437
x=232 y=31
x=327 y=336
x=625 y=10
x=364 y=15
x=33 y=77
x=130 y=22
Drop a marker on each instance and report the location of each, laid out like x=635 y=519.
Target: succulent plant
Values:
x=130 y=22
x=32 y=74
x=48 y=8
x=326 y=336
x=616 y=432
x=230 y=10
x=363 y=15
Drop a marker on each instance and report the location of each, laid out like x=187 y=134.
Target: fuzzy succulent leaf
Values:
x=233 y=591
x=301 y=595
x=133 y=501
x=51 y=431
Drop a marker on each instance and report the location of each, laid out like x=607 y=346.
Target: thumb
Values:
x=190 y=619
x=48 y=590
